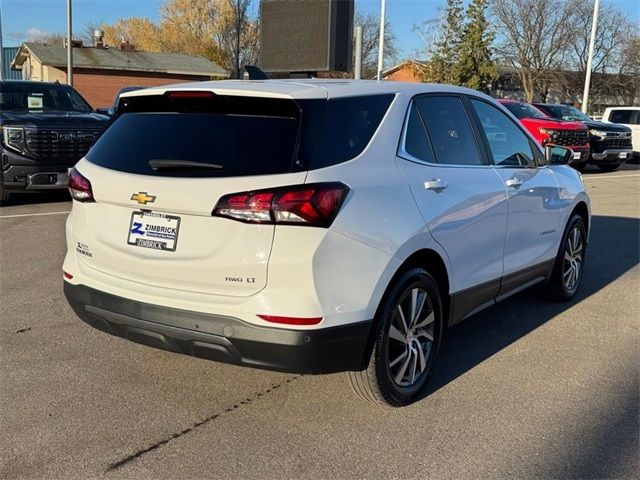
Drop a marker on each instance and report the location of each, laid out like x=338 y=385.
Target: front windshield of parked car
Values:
x=566 y=112
x=524 y=110
x=40 y=97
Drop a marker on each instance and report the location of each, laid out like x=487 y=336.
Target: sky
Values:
x=25 y=19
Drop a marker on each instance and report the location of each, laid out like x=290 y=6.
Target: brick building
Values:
x=100 y=71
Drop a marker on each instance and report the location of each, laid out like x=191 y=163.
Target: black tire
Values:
x=608 y=167
x=558 y=288
x=580 y=166
x=378 y=382
x=4 y=194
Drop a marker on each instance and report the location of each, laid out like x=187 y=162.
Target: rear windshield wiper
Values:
x=186 y=164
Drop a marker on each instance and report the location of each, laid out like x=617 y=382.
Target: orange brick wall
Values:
x=99 y=87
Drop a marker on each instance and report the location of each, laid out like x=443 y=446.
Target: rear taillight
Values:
x=80 y=187
x=315 y=204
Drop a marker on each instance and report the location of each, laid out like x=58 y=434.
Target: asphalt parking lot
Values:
x=526 y=389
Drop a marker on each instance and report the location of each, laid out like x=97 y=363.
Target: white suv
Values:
x=316 y=226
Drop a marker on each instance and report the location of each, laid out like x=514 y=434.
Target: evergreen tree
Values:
x=446 y=55
x=475 y=67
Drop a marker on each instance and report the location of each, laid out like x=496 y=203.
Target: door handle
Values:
x=435 y=184
x=513 y=182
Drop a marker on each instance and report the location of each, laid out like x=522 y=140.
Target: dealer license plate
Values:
x=154 y=230
x=576 y=155
x=623 y=154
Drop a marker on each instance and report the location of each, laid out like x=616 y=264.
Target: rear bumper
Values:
x=220 y=338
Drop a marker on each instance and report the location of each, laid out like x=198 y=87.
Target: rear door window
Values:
x=449 y=130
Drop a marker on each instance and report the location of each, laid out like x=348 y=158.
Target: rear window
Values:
x=235 y=136
x=621 y=116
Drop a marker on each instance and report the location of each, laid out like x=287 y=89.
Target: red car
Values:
x=573 y=135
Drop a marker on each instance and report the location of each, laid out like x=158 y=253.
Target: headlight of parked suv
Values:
x=597 y=133
x=13 y=137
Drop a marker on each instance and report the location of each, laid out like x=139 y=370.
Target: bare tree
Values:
x=534 y=37
x=238 y=35
x=370 y=24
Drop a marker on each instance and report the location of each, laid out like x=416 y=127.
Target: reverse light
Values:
x=80 y=187
x=291 y=320
x=315 y=205
x=13 y=138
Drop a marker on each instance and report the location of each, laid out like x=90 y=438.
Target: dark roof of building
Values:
x=113 y=59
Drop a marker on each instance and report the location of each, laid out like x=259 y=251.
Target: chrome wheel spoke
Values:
x=402 y=319
x=567 y=256
x=414 y=364
x=400 y=375
x=418 y=299
x=400 y=357
x=427 y=321
x=423 y=361
x=425 y=333
x=396 y=335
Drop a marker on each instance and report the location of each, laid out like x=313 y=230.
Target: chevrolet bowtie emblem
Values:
x=142 y=198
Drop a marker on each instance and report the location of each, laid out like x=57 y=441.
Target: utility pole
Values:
x=69 y=46
x=1 y=49
x=358 y=67
x=587 y=80
x=383 y=4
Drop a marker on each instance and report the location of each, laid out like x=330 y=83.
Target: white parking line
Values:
x=34 y=214
x=610 y=177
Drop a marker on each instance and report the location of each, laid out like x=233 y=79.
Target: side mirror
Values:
x=557 y=155
x=104 y=111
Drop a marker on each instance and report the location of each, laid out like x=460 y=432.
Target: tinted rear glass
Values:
x=241 y=135
x=138 y=138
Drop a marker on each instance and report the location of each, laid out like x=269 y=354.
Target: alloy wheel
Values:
x=573 y=255
x=411 y=335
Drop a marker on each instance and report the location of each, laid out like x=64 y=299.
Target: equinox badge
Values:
x=143 y=198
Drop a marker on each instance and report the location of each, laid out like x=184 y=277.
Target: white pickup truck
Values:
x=630 y=117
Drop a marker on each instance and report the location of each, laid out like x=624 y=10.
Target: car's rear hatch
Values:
x=158 y=172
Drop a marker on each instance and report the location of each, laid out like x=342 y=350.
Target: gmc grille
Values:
x=61 y=145
x=569 y=137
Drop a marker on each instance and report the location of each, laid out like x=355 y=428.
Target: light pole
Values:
x=69 y=46
x=358 y=67
x=1 y=49
x=587 y=79
x=383 y=4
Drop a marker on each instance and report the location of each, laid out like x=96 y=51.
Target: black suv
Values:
x=45 y=128
x=610 y=143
